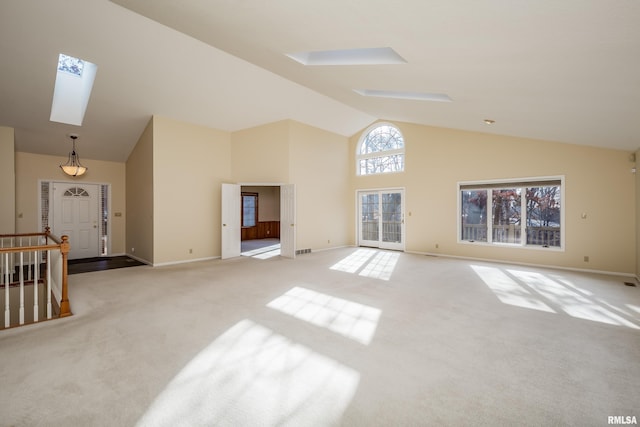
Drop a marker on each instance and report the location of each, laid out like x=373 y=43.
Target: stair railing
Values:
x=38 y=260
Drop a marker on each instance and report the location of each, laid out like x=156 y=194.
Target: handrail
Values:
x=61 y=244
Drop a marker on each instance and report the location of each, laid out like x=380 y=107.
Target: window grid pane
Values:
x=383 y=164
x=543 y=216
x=474 y=215
x=370 y=217
x=392 y=217
x=506 y=209
x=249 y=204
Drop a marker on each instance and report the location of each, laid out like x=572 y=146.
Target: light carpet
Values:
x=345 y=337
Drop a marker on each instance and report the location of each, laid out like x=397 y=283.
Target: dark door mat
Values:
x=85 y=265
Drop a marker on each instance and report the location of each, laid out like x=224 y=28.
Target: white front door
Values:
x=75 y=214
x=288 y=220
x=231 y=198
x=381 y=219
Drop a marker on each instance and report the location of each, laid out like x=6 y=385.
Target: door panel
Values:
x=392 y=218
x=369 y=219
x=75 y=214
x=231 y=201
x=288 y=221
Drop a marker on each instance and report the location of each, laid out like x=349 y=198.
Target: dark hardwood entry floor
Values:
x=85 y=265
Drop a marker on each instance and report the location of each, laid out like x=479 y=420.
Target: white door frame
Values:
x=51 y=183
x=287 y=237
x=380 y=244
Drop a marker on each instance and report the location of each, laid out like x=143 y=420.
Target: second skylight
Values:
x=365 y=56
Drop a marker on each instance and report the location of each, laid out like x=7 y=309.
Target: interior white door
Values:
x=231 y=200
x=288 y=220
x=75 y=214
x=381 y=219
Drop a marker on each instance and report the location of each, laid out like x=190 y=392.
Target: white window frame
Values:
x=491 y=185
x=385 y=153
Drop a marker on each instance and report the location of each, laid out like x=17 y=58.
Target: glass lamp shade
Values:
x=73 y=166
x=73 y=170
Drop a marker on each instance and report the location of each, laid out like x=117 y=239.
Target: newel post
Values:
x=65 y=309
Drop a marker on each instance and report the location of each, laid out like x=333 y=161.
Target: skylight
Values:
x=74 y=81
x=415 y=96
x=365 y=56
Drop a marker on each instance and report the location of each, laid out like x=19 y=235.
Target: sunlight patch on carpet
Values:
x=253 y=376
x=371 y=263
x=355 y=261
x=264 y=252
x=508 y=290
x=347 y=318
x=571 y=302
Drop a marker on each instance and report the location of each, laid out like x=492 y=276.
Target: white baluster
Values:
x=21 y=288
x=36 y=269
x=7 y=310
x=49 y=284
x=29 y=269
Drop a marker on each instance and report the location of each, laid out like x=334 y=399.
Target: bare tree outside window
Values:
x=381 y=151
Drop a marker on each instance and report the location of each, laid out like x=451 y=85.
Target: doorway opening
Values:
x=260 y=220
x=231 y=224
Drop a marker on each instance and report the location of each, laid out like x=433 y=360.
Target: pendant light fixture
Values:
x=73 y=166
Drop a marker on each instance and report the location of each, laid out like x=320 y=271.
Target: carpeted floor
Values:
x=345 y=337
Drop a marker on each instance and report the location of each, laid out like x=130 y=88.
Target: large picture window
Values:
x=381 y=150
x=522 y=213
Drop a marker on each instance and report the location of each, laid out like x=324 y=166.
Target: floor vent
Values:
x=303 y=251
x=630 y=284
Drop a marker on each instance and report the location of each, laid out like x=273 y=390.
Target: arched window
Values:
x=76 y=192
x=381 y=150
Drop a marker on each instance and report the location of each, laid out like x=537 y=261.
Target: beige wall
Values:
x=7 y=181
x=320 y=170
x=190 y=163
x=598 y=182
x=316 y=161
x=140 y=187
x=261 y=154
x=30 y=168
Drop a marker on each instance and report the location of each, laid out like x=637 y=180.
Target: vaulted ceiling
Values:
x=566 y=71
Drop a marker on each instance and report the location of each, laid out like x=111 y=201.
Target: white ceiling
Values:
x=565 y=71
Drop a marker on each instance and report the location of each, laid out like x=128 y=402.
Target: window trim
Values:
x=377 y=154
x=255 y=211
x=507 y=183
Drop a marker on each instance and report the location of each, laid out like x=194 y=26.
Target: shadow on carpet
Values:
x=85 y=265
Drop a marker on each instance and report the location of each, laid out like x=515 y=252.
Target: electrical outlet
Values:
x=190 y=251
x=437 y=246
x=133 y=250
x=586 y=258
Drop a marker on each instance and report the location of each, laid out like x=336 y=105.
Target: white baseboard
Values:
x=186 y=261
